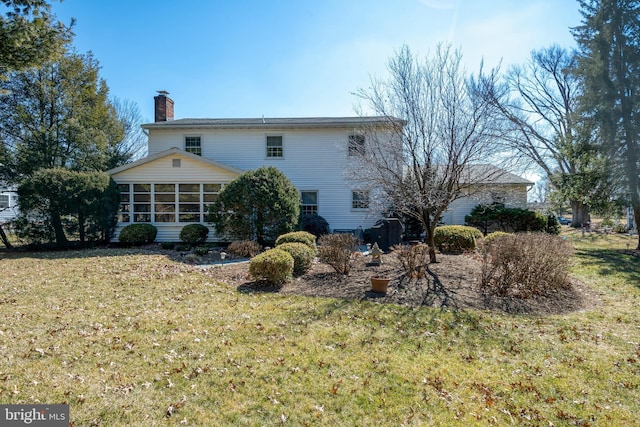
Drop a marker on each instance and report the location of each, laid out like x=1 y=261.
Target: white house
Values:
x=8 y=205
x=190 y=161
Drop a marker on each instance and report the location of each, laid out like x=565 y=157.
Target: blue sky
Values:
x=293 y=58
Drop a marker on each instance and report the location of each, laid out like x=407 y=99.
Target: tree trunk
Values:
x=4 y=238
x=56 y=221
x=580 y=214
x=81 y=226
x=429 y=240
x=636 y=216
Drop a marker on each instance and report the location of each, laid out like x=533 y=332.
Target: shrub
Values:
x=413 y=258
x=201 y=250
x=522 y=266
x=338 y=250
x=168 y=245
x=194 y=234
x=553 y=225
x=181 y=247
x=498 y=217
x=302 y=255
x=487 y=241
x=619 y=228
x=137 y=234
x=314 y=224
x=298 y=237
x=244 y=248
x=261 y=203
x=274 y=266
x=456 y=238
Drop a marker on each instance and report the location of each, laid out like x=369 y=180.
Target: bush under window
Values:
x=137 y=234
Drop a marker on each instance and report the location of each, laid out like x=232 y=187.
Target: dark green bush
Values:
x=498 y=217
x=302 y=255
x=314 y=224
x=194 y=234
x=137 y=234
x=201 y=250
x=244 y=248
x=553 y=225
x=456 y=238
x=298 y=237
x=168 y=245
x=274 y=266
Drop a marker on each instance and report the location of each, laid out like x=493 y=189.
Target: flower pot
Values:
x=380 y=284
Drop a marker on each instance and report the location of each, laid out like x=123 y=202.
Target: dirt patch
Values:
x=452 y=282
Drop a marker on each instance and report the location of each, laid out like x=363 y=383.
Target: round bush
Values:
x=275 y=266
x=137 y=234
x=490 y=239
x=314 y=224
x=298 y=237
x=456 y=238
x=194 y=234
x=302 y=255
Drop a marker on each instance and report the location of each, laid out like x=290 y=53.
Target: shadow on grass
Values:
x=613 y=262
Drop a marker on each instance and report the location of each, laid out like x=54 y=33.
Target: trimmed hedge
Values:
x=194 y=234
x=137 y=234
x=456 y=238
x=302 y=255
x=298 y=237
x=274 y=266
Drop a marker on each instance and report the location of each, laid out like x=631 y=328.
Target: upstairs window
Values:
x=192 y=144
x=308 y=202
x=4 y=201
x=274 y=146
x=356 y=145
x=360 y=199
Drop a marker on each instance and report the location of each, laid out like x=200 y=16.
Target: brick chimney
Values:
x=163 y=107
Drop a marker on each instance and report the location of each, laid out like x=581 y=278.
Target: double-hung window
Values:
x=4 y=201
x=308 y=202
x=360 y=199
x=356 y=145
x=274 y=146
x=192 y=144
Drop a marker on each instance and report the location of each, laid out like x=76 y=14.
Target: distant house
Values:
x=190 y=161
x=496 y=186
x=8 y=204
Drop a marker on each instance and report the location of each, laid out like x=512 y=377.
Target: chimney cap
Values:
x=162 y=92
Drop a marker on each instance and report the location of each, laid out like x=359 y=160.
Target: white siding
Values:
x=161 y=171
x=314 y=159
x=11 y=212
x=513 y=196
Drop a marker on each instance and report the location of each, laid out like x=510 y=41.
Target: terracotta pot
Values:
x=380 y=284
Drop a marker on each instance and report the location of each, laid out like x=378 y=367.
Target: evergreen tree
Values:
x=258 y=205
x=609 y=65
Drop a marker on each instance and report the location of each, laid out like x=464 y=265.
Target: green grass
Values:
x=122 y=336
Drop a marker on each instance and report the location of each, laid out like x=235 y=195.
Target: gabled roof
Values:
x=263 y=122
x=490 y=174
x=174 y=151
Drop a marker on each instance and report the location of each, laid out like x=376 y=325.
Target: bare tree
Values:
x=437 y=137
x=134 y=142
x=539 y=102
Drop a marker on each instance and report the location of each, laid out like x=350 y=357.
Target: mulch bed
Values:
x=451 y=283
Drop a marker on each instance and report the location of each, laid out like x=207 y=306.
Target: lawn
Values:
x=130 y=337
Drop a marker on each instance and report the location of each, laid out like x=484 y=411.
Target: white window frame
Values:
x=358 y=204
x=192 y=149
x=5 y=201
x=314 y=207
x=356 y=147
x=206 y=194
x=270 y=151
